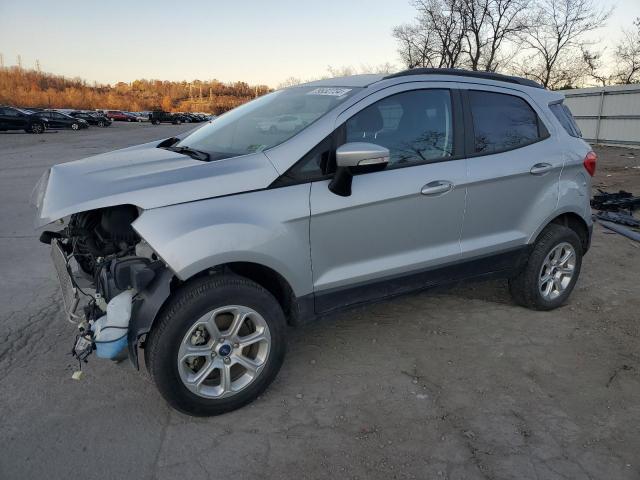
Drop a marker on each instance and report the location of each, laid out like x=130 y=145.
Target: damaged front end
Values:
x=112 y=282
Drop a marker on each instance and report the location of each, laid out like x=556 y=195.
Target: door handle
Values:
x=437 y=187
x=540 y=168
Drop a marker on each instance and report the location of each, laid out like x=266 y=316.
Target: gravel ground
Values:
x=450 y=384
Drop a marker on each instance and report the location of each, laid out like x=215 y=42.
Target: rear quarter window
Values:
x=564 y=116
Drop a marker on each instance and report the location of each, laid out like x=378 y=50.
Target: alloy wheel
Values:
x=557 y=271
x=224 y=351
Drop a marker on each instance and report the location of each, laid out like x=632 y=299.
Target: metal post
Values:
x=599 y=115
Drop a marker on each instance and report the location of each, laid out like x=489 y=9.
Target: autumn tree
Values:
x=32 y=88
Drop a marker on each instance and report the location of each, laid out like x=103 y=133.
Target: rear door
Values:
x=62 y=120
x=53 y=122
x=398 y=224
x=514 y=168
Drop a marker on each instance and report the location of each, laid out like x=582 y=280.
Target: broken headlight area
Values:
x=102 y=265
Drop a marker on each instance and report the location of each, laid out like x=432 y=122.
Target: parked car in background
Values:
x=18 y=119
x=281 y=123
x=191 y=118
x=159 y=116
x=58 y=120
x=120 y=116
x=92 y=118
x=137 y=117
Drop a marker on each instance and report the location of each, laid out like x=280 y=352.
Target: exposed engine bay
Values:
x=102 y=264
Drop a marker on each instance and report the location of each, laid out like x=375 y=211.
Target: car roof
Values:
x=458 y=72
x=366 y=80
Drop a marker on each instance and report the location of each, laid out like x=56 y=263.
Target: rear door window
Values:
x=502 y=122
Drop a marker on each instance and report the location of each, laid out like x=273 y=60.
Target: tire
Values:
x=75 y=126
x=37 y=128
x=529 y=287
x=101 y=124
x=177 y=326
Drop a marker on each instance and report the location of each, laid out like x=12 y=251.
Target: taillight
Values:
x=590 y=163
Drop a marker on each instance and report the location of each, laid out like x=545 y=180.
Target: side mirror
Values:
x=359 y=154
x=356 y=157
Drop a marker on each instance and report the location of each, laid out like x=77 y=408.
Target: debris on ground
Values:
x=615 y=212
x=614 y=202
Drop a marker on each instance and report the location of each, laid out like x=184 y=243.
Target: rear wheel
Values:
x=100 y=123
x=551 y=271
x=217 y=345
x=37 y=128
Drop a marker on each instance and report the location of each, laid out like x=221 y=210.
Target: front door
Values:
x=400 y=224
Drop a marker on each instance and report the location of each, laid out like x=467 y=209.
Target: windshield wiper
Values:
x=192 y=152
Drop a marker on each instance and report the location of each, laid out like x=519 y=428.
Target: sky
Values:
x=260 y=42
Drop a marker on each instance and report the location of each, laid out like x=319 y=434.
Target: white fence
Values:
x=607 y=115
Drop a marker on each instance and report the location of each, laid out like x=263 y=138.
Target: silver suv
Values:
x=200 y=250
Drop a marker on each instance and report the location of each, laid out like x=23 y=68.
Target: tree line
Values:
x=550 y=41
x=33 y=88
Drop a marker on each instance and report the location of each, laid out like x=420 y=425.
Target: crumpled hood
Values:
x=144 y=176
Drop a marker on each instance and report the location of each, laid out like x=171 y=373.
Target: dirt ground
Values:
x=447 y=384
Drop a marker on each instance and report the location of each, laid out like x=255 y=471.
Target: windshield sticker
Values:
x=332 y=91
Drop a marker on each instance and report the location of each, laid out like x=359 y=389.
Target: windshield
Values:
x=266 y=121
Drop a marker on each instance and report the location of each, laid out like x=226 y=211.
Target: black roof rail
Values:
x=467 y=73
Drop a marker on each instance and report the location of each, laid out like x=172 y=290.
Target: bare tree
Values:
x=347 y=70
x=461 y=33
x=489 y=25
x=593 y=65
x=436 y=39
x=289 y=82
x=416 y=46
x=627 y=56
x=556 y=37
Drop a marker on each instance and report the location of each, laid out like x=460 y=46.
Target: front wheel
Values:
x=75 y=126
x=551 y=271
x=217 y=345
x=37 y=128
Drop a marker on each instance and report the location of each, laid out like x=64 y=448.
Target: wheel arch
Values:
x=575 y=222
x=156 y=299
x=268 y=278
